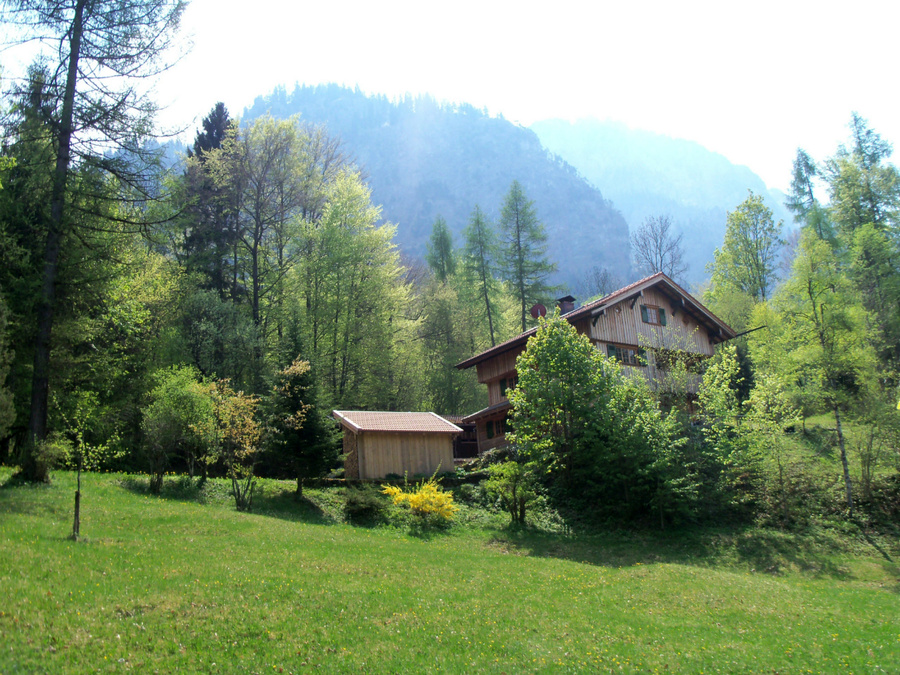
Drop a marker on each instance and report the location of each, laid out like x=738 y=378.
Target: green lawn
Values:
x=173 y=585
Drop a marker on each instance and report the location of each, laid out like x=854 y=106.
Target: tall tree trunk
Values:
x=33 y=466
x=844 y=463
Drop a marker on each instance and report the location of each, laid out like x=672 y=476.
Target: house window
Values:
x=630 y=356
x=653 y=314
x=507 y=384
x=490 y=429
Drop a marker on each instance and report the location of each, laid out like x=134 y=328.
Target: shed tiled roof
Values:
x=408 y=422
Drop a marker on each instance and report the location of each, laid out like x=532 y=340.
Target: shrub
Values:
x=513 y=484
x=364 y=504
x=427 y=502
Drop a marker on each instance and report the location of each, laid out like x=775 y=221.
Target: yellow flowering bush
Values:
x=427 y=501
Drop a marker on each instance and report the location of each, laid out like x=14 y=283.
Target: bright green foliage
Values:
x=597 y=436
x=351 y=282
x=823 y=327
x=514 y=485
x=440 y=256
x=298 y=439
x=259 y=166
x=523 y=260
x=768 y=414
x=826 y=334
x=561 y=377
x=875 y=270
x=235 y=434
x=747 y=260
x=428 y=503
x=720 y=406
x=447 y=338
x=177 y=422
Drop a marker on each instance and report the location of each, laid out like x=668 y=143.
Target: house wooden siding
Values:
x=485 y=443
x=622 y=324
x=616 y=320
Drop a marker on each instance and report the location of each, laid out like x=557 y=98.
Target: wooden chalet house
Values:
x=654 y=313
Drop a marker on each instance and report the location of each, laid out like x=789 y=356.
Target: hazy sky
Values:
x=752 y=83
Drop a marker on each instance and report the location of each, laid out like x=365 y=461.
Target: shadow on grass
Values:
x=268 y=500
x=288 y=506
x=758 y=550
x=19 y=496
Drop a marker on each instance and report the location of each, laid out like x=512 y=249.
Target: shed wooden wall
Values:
x=381 y=453
x=682 y=331
x=351 y=456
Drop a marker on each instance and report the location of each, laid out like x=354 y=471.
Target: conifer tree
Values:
x=440 y=251
x=479 y=264
x=99 y=50
x=523 y=260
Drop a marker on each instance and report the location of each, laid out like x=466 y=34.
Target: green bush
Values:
x=364 y=504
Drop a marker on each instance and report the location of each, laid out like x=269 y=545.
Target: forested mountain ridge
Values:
x=647 y=174
x=422 y=159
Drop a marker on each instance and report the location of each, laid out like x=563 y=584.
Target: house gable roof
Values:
x=719 y=330
x=396 y=422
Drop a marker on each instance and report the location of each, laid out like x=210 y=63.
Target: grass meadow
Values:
x=184 y=583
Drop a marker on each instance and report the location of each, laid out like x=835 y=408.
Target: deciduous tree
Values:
x=748 y=257
x=656 y=248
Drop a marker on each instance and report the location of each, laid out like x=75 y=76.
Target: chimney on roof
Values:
x=566 y=304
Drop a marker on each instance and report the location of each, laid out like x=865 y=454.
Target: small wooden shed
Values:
x=403 y=443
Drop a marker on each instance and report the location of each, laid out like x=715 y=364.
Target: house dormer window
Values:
x=653 y=315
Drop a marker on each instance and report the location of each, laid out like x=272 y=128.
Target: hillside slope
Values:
x=647 y=174
x=423 y=159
